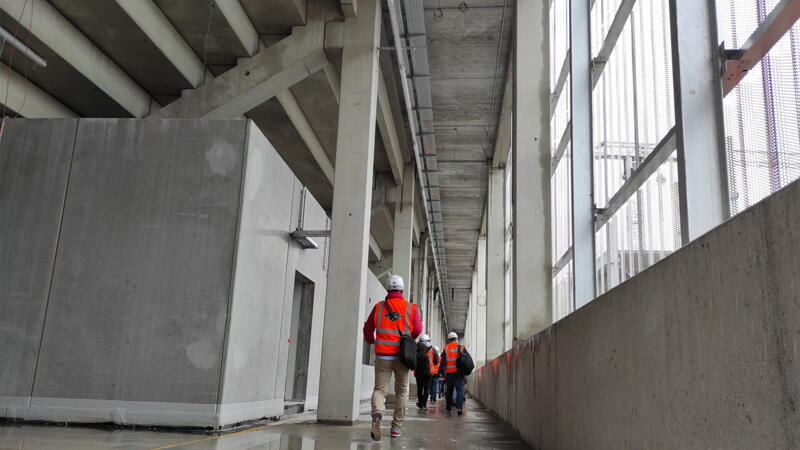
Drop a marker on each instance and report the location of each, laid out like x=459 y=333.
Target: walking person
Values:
x=454 y=378
x=383 y=328
x=435 y=375
x=427 y=362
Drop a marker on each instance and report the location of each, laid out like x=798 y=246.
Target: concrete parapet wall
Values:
x=701 y=350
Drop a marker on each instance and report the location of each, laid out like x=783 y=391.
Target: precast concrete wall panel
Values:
x=142 y=279
x=35 y=157
x=699 y=351
x=258 y=304
x=154 y=260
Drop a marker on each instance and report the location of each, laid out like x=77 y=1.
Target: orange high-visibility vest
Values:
x=434 y=367
x=451 y=350
x=387 y=336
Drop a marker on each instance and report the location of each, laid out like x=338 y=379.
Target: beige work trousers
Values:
x=384 y=368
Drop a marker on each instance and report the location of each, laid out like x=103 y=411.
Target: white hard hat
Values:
x=395 y=283
x=452 y=335
x=424 y=338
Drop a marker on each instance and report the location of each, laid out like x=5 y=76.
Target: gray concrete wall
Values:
x=144 y=260
x=170 y=300
x=698 y=351
x=33 y=183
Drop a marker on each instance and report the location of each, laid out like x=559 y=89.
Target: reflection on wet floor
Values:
x=434 y=429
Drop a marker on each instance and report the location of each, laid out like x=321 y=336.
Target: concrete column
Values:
x=404 y=228
x=532 y=277
x=582 y=154
x=423 y=281
x=480 y=268
x=495 y=265
x=703 y=184
x=340 y=380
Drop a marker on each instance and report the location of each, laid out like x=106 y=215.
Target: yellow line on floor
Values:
x=214 y=437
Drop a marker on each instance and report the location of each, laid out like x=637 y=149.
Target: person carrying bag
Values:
x=392 y=327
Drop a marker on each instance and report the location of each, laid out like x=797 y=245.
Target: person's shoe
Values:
x=375 y=432
x=424 y=408
x=395 y=432
x=460 y=412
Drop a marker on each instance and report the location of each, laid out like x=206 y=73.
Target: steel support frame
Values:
x=637 y=179
x=779 y=21
x=582 y=152
x=702 y=178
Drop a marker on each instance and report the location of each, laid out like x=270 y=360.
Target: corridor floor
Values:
x=477 y=429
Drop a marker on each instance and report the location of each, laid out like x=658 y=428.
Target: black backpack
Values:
x=423 y=365
x=464 y=361
x=408 y=348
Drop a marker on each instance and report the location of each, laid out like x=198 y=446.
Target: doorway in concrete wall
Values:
x=299 y=344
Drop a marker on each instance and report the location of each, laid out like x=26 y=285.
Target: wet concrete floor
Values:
x=434 y=429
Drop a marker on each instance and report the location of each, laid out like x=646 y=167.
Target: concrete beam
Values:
x=57 y=33
x=502 y=144
x=340 y=388
x=404 y=226
x=383 y=267
x=419 y=227
x=255 y=80
x=349 y=7
x=155 y=25
x=386 y=125
x=375 y=248
x=237 y=18
x=28 y=100
x=300 y=122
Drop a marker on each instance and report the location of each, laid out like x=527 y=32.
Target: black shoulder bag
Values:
x=464 y=361
x=408 y=349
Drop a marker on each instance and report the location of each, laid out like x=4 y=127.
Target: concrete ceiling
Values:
x=469 y=43
x=468 y=50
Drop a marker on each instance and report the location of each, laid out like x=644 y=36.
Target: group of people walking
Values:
x=390 y=328
x=438 y=374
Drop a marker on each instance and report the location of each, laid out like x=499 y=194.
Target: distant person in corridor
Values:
x=427 y=366
x=383 y=327
x=453 y=377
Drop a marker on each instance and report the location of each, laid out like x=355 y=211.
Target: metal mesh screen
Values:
x=562 y=293
x=632 y=111
x=645 y=230
x=762 y=118
x=559 y=38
